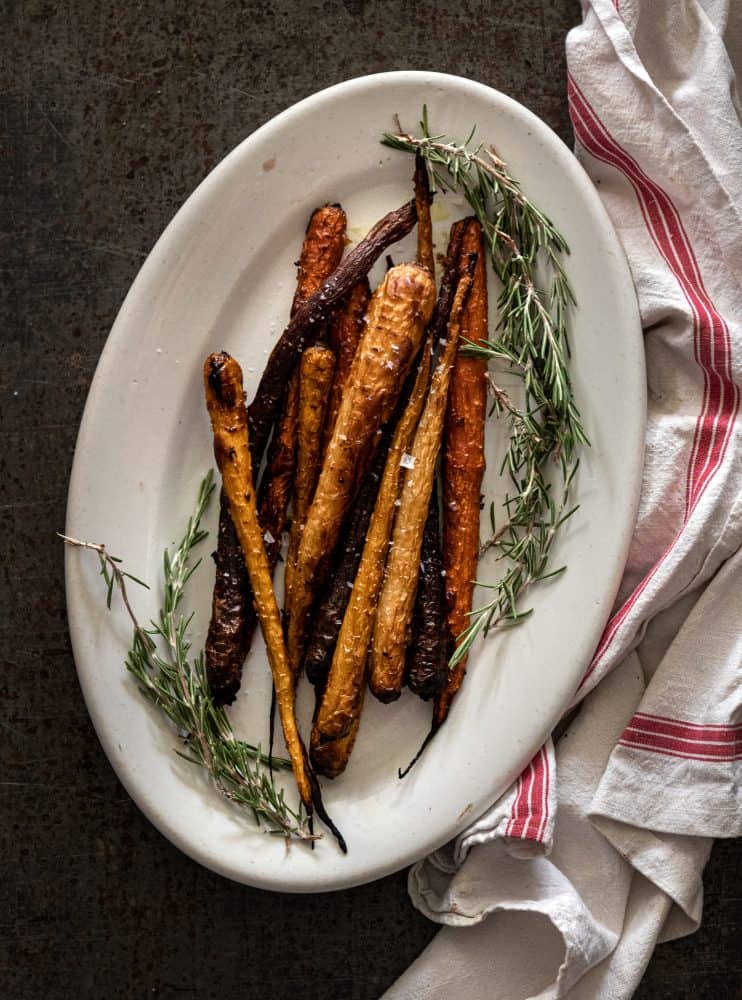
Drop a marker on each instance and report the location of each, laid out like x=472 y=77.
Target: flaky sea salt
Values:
x=407 y=461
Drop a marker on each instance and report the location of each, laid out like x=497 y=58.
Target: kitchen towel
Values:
x=564 y=887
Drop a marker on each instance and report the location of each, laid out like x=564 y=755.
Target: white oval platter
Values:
x=221 y=276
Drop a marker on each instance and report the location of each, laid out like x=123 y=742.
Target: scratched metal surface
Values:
x=110 y=114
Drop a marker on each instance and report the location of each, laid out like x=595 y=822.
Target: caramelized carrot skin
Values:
x=278 y=481
x=232 y=617
x=463 y=465
x=330 y=758
x=233 y=620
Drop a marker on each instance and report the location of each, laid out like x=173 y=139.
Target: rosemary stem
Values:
x=532 y=341
x=178 y=686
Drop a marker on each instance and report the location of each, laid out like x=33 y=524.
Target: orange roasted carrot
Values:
x=463 y=465
x=321 y=251
x=225 y=400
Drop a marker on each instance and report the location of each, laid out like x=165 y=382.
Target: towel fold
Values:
x=596 y=853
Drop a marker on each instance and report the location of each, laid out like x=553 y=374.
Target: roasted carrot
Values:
x=398 y=313
x=427 y=654
x=436 y=329
x=328 y=618
x=232 y=616
x=423 y=198
x=342 y=699
x=330 y=758
x=301 y=329
x=463 y=466
x=320 y=254
x=449 y=284
x=321 y=251
x=397 y=598
x=277 y=486
x=345 y=335
x=225 y=400
x=315 y=377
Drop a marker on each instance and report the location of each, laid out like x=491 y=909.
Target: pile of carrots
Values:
x=366 y=396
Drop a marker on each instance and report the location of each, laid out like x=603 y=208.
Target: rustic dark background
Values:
x=110 y=114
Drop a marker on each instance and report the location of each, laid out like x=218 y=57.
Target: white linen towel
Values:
x=564 y=887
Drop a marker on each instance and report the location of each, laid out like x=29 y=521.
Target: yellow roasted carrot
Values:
x=232 y=617
x=345 y=335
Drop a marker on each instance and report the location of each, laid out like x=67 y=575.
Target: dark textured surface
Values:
x=110 y=115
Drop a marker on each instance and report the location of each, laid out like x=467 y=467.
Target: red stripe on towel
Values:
x=712 y=349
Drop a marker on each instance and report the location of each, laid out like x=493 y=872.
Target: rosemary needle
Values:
x=532 y=342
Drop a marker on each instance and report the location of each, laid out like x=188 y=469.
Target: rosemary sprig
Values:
x=524 y=247
x=160 y=661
